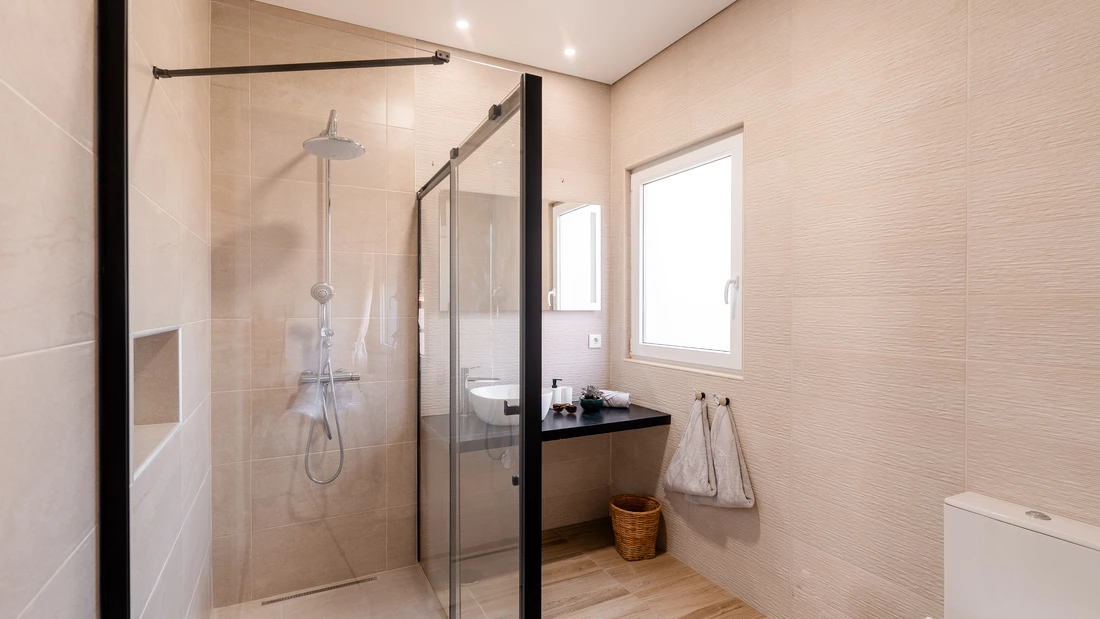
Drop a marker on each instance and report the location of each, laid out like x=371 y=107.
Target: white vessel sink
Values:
x=489 y=402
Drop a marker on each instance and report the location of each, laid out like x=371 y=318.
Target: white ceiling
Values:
x=611 y=37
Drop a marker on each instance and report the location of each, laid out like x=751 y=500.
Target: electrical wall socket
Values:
x=595 y=340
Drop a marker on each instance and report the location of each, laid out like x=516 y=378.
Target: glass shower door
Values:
x=472 y=365
x=486 y=206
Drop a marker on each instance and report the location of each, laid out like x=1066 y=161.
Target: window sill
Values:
x=686 y=368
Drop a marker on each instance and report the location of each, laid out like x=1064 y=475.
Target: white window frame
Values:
x=730 y=145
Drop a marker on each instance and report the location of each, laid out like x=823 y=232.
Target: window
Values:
x=686 y=217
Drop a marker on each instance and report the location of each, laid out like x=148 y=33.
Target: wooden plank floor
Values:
x=583 y=577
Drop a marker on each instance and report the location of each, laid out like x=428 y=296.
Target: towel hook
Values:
x=721 y=401
x=699 y=395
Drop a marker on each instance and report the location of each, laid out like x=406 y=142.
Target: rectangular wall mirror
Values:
x=572 y=256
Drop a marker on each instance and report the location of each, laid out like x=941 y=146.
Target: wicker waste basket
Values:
x=634 y=518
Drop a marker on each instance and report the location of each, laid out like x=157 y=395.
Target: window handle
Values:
x=736 y=283
x=549 y=296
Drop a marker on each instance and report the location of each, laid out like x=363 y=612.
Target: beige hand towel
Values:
x=730 y=471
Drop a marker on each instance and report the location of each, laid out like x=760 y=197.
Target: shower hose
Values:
x=324 y=369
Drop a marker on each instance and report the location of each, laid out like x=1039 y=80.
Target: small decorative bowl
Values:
x=592 y=406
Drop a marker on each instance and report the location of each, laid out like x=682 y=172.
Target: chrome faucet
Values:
x=468 y=380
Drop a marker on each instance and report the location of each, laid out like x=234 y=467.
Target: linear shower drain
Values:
x=321 y=590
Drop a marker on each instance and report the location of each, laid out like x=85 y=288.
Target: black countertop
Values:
x=476 y=435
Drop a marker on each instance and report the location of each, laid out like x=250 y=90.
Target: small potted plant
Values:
x=591 y=399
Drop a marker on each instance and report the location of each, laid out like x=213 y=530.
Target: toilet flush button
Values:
x=1037 y=515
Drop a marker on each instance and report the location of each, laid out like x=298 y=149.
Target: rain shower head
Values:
x=328 y=145
x=333 y=147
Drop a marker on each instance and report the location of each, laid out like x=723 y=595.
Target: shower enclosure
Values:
x=480 y=324
x=301 y=426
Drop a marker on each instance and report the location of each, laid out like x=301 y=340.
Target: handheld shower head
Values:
x=329 y=145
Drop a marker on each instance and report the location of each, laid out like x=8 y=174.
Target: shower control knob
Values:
x=329 y=333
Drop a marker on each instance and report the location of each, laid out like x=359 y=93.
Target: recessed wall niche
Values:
x=156 y=392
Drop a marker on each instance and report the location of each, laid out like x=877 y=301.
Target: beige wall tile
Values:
x=1039 y=330
x=400 y=536
x=195 y=365
x=1018 y=46
x=195 y=267
x=296 y=27
x=363 y=414
x=228 y=47
x=899 y=555
x=231 y=498
x=230 y=427
x=47 y=57
x=168 y=597
x=195 y=540
x=884 y=382
x=67 y=416
x=908 y=267
x=282 y=494
x=1034 y=469
x=156 y=515
x=358 y=96
x=401 y=223
x=157 y=30
x=195 y=179
x=315 y=553
x=71 y=592
x=230 y=135
x=195 y=455
x=225 y=15
x=232 y=569
x=401 y=413
x=359 y=220
x=932 y=326
x=47 y=231
x=824 y=584
x=401 y=474
x=1049 y=257
x=400 y=145
x=156 y=137
x=574 y=475
x=230 y=217
x=156 y=272
x=230 y=281
x=400 y=89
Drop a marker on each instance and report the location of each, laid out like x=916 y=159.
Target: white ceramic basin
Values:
x=489 y=402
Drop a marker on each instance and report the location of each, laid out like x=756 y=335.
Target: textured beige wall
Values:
x=170 y=498
x=47 y=312
x=271 y=526
x=921 y=284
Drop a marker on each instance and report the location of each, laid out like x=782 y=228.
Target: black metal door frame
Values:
x=113 y=329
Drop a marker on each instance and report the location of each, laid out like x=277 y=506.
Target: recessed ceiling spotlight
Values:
x=569 y=51
x=462 y=24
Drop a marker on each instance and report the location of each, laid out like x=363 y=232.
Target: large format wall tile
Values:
x=317 y=553
x=47 y=234
x=61 y=491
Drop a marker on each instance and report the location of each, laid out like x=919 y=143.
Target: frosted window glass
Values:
x=686 y=239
